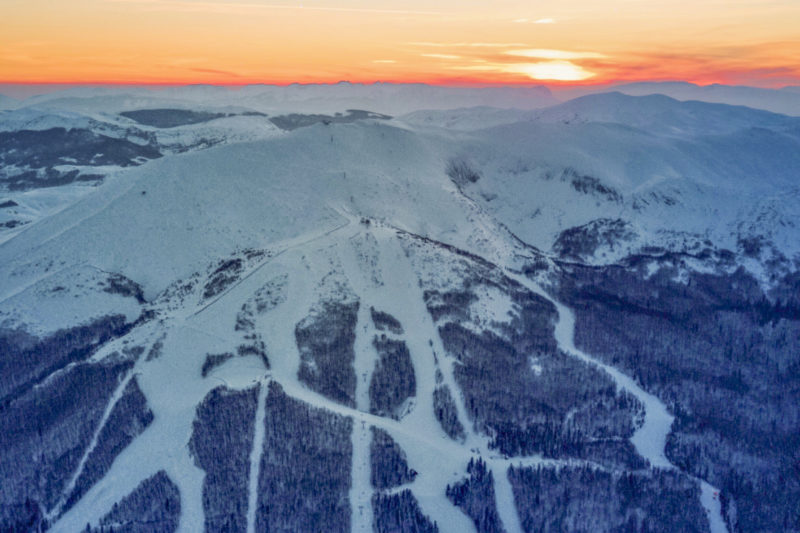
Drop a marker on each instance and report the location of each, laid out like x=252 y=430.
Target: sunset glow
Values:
x=754 y=42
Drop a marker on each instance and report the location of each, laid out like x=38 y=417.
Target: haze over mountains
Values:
x=783 y=100
x=400 y=308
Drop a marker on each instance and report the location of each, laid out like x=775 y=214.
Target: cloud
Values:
x=542 y=53
x=537 y=21
x=226 y=73
x=384 y=61
x=464 y=44
x=441 y=56
x=242 y=7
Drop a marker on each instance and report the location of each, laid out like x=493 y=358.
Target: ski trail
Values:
x=365 y=354
x=402 y=297
x=92 y=444
x=411 y=310
x=255 y=456
x=363 y=364
x=428 y=449
x=173 y=387
x=504 y=497
x=112 y=403
x=361 y=488
x=125 y=474
x=438 y=459
x=709 y=497
x=651 y=438
x=278 y=325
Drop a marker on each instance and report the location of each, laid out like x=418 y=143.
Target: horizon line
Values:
x=476 y=84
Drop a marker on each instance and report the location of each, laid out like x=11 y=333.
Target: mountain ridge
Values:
x=254 y=332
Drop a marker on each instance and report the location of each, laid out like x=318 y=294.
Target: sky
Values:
x=450 y=42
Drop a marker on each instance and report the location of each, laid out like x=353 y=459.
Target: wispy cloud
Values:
x=384 y=61
x=516 y=61
x=536 y=21
x=441 y=56
x=241 y=7
x=464 y=44
x=226 y=73
x=542 y=53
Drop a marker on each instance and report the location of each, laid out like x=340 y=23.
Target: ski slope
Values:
x=241 y=222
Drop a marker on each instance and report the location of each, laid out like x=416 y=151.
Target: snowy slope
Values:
x=379 y=97
x=475 y=118
x=785 y=101
x=602 y=157
x=663 y=115
x=6 y=102
x=386 y=319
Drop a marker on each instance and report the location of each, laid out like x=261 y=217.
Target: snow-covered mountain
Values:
x=785 y=100
x=311 y=98
x=255 y=311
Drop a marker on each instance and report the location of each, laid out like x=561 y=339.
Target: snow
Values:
x=117 y=394
x=365 y=354
x=492 y=307
x=173 y=387
x=710 y=500
x=64 y=299
x=380 y=97
x=659 y=114
x=302 y=195
x=401 y=297
x=470 y=119
x=361 y=489
x=245 y=193
x=535 y=366
x=783 y=101
x=255 y=457
x=651 y=437
x=504 y=496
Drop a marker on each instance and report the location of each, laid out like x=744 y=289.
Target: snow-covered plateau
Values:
x=399 y=308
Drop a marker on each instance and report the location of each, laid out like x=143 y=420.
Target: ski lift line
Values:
x=267 y=261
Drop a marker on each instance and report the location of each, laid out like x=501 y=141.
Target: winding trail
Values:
x=650 y=439
x=438 y=459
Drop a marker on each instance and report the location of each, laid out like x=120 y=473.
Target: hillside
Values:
x=249 y=314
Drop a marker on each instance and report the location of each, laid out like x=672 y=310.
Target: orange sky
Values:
x=753 y=42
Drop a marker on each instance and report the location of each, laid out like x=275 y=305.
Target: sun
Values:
x=551 y=70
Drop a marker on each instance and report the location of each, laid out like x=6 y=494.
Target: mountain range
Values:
x=399 y=308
